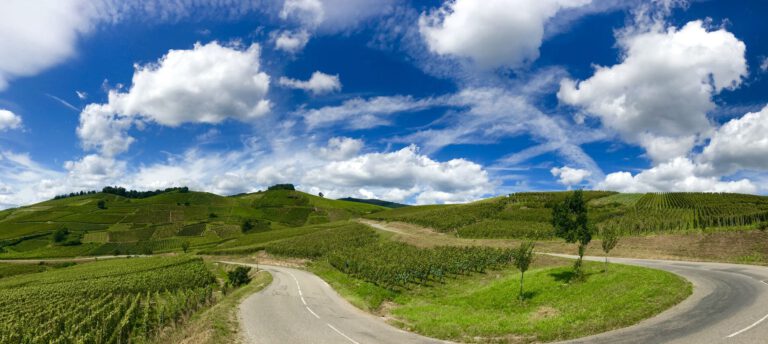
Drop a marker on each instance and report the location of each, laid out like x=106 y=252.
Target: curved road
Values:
x=729 y=304
x=299 y=307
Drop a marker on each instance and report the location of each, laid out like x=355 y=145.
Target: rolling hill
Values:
x=159 y=223
x=527 y=215
x=386 y=204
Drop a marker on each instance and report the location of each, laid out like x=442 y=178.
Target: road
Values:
x=729 y=304
x=299 y=307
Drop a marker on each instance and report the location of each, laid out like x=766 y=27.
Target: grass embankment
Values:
x=219 y=323
x=485 y=307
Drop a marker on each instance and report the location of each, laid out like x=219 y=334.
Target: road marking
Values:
x=301 y=295
x=313 y=313
x=342 y=334
x=766 y=282
x=748 y=328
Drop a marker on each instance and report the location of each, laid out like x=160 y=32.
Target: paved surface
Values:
x=729 y=305
x=299 y=307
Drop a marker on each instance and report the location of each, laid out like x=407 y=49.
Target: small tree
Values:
x=60 y=235
x=320 y=195
x=569 y=219
x=185 y=246
x=239 y=276
x=523 y=257
x=101 y=204
x=610 y=239
x=247 y=226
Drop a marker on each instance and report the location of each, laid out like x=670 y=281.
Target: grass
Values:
x=160 y=223
x=218 y=323
x=486 y=308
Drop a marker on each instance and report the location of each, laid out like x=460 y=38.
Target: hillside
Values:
x=386 y=204
x=527 y=215
x=159 y=223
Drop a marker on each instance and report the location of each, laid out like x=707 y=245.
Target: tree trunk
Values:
x=522 y=275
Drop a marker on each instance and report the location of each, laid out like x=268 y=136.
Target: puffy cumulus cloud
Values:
x=94 y=171
x=679 y=174
x=206 y=84
x=38 y=34
x=319 y=83
x=764 y=65
x=291 y=41
x=492 y=33
x=102 y=130
x=741 y=143
x=35 y=35
x=570 y=176
x=341 y=148
x=359 y=113
x=659 y=95
x=408 y=173
x=9 y=120
x=24 y=181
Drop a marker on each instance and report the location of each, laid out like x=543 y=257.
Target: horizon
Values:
x=411 y=102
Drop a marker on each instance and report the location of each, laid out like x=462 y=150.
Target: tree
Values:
x=239 y=276
x=569 y=218
x=247 y=226
x=185 y=246
x=610 y=239
x=321 y=195
x=101 y=204
x=523 y=257
x=60 y=235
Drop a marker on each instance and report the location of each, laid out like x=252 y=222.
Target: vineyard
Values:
x=159 y=222
x=358 y=251
x=528 y=215
x=117 y=301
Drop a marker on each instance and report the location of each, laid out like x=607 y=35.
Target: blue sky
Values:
x=417 y=102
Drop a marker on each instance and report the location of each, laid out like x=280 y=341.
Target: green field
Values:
x=115 y=301
x=527 y=215
x=162 y=222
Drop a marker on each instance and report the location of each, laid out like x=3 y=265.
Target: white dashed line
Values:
x=342 y=334
x=301 y=295
x=747 y=328
x=313 y=313
x=765 y=282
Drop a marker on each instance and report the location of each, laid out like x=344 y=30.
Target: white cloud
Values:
x=659 y=95
x=679 y=174
x=741 y=143
x=9 y=120
x=764 y=65
x=333 y=15
x=35 y=35
x=291 y=41
x=319 y=83
x=492 y=33
x=341 y=148
x=570 y=176
x=38 y=34
x=82 y=95
x=359 y=113
x=405 y=173
x=103 y=130
x=206 y=84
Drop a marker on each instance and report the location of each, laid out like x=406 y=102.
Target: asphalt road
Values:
x=299 y=307
x=729 y=304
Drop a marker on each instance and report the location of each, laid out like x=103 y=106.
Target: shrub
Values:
x=60 y=235
x=239 y=276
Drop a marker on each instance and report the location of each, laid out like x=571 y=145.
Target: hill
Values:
x=386 y=204
x=527 y=215
x=78 y=225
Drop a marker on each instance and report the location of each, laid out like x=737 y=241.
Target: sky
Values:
x=417 y=102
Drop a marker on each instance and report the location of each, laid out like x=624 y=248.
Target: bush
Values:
x=239 y=276
x=102 y=204
x=60 y=235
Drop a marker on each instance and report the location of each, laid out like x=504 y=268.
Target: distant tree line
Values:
x=121 y=191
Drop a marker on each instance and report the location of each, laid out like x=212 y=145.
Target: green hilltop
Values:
x=107 y=223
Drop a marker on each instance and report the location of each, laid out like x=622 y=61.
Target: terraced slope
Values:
x=104 y=224
x=527 y=215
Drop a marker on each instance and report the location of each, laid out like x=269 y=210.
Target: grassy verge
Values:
x=217 y=324
x=484 y=307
